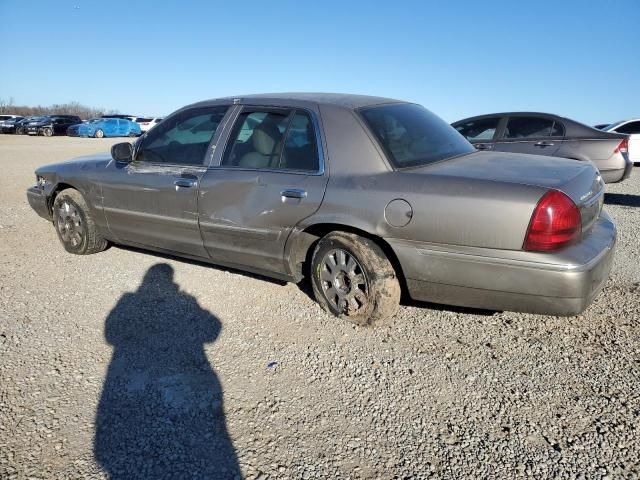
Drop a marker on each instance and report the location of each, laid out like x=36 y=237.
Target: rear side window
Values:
x=282 y=140
x=476 y=130
x=411 y=135
x=530 y=127
x=630 y=128
x=300 y=147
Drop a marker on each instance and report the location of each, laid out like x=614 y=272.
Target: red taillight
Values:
x=555 y=222
x=623 y=146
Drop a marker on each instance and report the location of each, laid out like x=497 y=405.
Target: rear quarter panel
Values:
x=599 y=151
x=446 y=209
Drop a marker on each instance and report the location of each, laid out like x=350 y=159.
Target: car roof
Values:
x=344 y=100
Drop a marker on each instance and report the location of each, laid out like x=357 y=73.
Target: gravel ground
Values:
x=127 y=364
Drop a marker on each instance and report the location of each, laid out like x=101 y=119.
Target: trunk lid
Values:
x=579 y=180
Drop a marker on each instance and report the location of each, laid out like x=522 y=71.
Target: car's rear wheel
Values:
x=99 y=134
x=47 y=132
x=353 y=279
x=19 y=131
x=74 y=224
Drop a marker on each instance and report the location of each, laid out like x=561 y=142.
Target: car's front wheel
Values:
x=47 y=132
x=74 y=224
x=99 y=134
x=353 y=279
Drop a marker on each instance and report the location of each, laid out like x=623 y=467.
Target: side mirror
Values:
x=122 y=152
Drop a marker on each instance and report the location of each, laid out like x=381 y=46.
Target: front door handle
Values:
x=543 y=143
x=184 y=182
x=483 y=146
x=294 y=193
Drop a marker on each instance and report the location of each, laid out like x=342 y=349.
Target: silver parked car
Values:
x=550 y=135
x=365 y=195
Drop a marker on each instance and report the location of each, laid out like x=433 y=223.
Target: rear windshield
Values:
x=412 y=136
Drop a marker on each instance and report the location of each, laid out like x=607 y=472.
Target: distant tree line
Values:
x=71 y=108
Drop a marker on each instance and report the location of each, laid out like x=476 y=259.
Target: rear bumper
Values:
x=619 y=174
x=561 y=283
x=38 y=201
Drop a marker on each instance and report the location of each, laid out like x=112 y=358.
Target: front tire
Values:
x=47 y=132
x=354 y=280
x=99 y=134
x=74 y=224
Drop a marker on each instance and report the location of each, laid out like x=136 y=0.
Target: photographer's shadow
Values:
x=161 y=412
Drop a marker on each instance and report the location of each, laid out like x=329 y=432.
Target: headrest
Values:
x=264 y=138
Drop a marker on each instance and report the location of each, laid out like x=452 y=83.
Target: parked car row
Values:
x=551 y=135
x=49 y=125
x=367 y=197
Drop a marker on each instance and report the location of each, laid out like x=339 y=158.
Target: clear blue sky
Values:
x=580 y=59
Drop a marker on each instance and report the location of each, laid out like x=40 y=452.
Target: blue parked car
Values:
x=105 y=127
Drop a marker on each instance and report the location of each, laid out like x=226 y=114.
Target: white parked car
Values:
x=146 y=123
x=631 y=128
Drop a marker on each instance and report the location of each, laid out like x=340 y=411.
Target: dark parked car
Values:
x=365 y=195
x=549 y=135
x=9 y=125
x=51 y=125
x=19 y=126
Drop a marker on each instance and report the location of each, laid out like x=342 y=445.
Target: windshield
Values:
x=95 y=120
x=411 y=135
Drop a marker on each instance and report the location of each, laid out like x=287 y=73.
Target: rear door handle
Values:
x=184 y=182
x=294 y=193
x=543 y=143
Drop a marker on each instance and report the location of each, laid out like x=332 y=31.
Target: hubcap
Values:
x=70 y=224
x=343 y=282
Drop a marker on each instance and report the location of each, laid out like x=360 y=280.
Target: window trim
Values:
x=205 y=163
x=274 y=108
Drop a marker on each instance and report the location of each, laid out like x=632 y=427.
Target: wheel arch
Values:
x=60 y=186
x=301 y=249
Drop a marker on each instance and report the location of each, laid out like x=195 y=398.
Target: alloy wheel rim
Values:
x=344 y=283
x=70 y=224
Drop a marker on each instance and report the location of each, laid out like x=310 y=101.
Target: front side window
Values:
x=182 y=139
x=528 y=127
x=479 y=130
x=412 y=136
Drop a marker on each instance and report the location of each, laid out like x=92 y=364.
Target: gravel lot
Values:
x=127 y=364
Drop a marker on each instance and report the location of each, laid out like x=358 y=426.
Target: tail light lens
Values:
x=623 y=146
x=555 y=223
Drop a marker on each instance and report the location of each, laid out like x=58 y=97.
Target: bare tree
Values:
x=6 y=106
x=70 y=108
